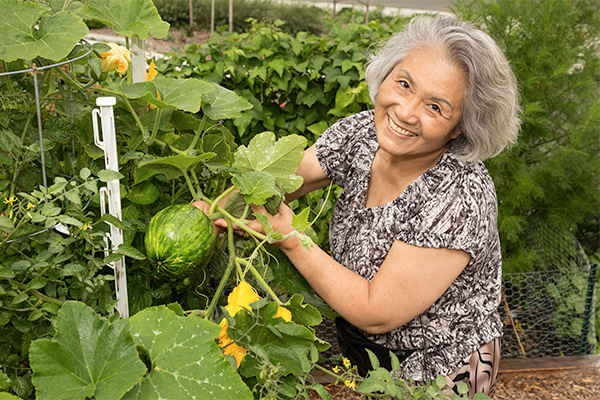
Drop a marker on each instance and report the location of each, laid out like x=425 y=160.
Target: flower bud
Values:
x=118 y=58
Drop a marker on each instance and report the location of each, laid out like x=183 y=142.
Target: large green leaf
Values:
x=222 y=103
x=279 y=158
x=186 y=361
x=174 y=166
x=128 y=17
x=87 y=357
x=256 y=186
x=28 y=31
x=184 y=94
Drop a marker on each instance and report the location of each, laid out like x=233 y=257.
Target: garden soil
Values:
x=516 y=387
x=510 y=387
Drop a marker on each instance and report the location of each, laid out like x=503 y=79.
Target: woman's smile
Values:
x=399 y=130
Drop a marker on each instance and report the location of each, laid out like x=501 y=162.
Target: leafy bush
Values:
x=298 y=17
x=551 y=177
x=297 y=84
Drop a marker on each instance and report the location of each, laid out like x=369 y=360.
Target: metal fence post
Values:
x=588 y=310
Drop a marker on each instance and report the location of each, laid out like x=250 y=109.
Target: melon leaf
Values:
x=88 y=357
x=279 y=158
x=28 y=31
x=185 y=360
x=128 y=18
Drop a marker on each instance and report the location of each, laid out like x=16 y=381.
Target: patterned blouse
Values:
x=453 y=205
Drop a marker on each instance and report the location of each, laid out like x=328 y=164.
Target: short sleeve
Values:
x=346 y=146
x=464 y=218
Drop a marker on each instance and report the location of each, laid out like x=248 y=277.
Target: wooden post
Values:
x=191 y=18
x=367 y=12
x=212 y=16
x=138 y=60
x=230 y=15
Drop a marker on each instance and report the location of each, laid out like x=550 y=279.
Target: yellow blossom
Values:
x=283 y=313
x=347 y=363
x=118 y=58
x=336 y=369
x=10 y=200
x=152 y=71
x=150 y=75
x=85 y=227
x=241 y=297
x=30 y=206
x=350 y=383
x=229 y=346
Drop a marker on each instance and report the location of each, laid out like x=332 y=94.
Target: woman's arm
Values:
x=408 y=282
x=312 y=174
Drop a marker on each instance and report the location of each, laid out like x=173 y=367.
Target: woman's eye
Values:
x=404 y=85
x=436 y=108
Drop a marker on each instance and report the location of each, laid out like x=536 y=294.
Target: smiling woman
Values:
x=415 y=265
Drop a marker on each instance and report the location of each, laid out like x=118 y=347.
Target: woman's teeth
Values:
x=400 y=130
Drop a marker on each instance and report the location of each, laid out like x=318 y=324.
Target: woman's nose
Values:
x=407 y=109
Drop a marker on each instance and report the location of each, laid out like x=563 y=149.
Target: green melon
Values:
x=179 y=240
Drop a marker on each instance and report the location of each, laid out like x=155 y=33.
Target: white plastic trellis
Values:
x=112 y=192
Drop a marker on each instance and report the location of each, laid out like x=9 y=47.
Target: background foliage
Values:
x=298 y=17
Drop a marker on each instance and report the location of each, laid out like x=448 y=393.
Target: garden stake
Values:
x=108 y=144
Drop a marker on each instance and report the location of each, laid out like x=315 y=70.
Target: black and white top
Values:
x=453 y=205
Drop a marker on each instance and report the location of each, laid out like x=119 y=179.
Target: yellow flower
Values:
x=118 y=58
x=229 y=346
x=10 y=200
x=350 y=383
x=84 y=227
x=336 y=369
x=30 y=206
x=347 y=363
x=152 y=71
x=150 y=75
x=283 y=313
x=241 y=297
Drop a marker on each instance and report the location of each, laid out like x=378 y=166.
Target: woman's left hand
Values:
x=280 y=222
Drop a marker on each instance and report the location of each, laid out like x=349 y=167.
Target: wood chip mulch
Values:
x=516 y=387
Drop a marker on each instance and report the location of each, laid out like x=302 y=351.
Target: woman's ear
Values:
x=456 y=133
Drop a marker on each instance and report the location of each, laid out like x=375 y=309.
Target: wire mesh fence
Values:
x=546 y=313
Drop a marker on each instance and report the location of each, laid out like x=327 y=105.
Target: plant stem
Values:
x=155 y=128
x=240 y=223
x=68 y=79
x=260 y=279
x=197 y=136
x=131 y=110
x=225 y=278
x=323 y=369
x=215 y=203
x=7 y=78
x=34 y=292
x=190 y=186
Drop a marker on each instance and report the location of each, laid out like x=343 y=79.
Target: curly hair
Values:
x=491 y=116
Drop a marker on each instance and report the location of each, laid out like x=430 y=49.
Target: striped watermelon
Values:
x=179 y=240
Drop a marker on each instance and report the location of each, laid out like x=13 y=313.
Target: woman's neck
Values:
x=390 y=176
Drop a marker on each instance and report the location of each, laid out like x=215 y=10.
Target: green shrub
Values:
x=550 y=179
x=297 y=84
x=298 y=17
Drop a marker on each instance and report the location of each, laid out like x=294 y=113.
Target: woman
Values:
x=415 y=261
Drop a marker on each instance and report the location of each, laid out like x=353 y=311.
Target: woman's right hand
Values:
x=219 y=224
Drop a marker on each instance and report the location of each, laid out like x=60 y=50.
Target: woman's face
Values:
x=419 y=105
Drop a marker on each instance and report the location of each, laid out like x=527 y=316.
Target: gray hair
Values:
x=491 y=116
